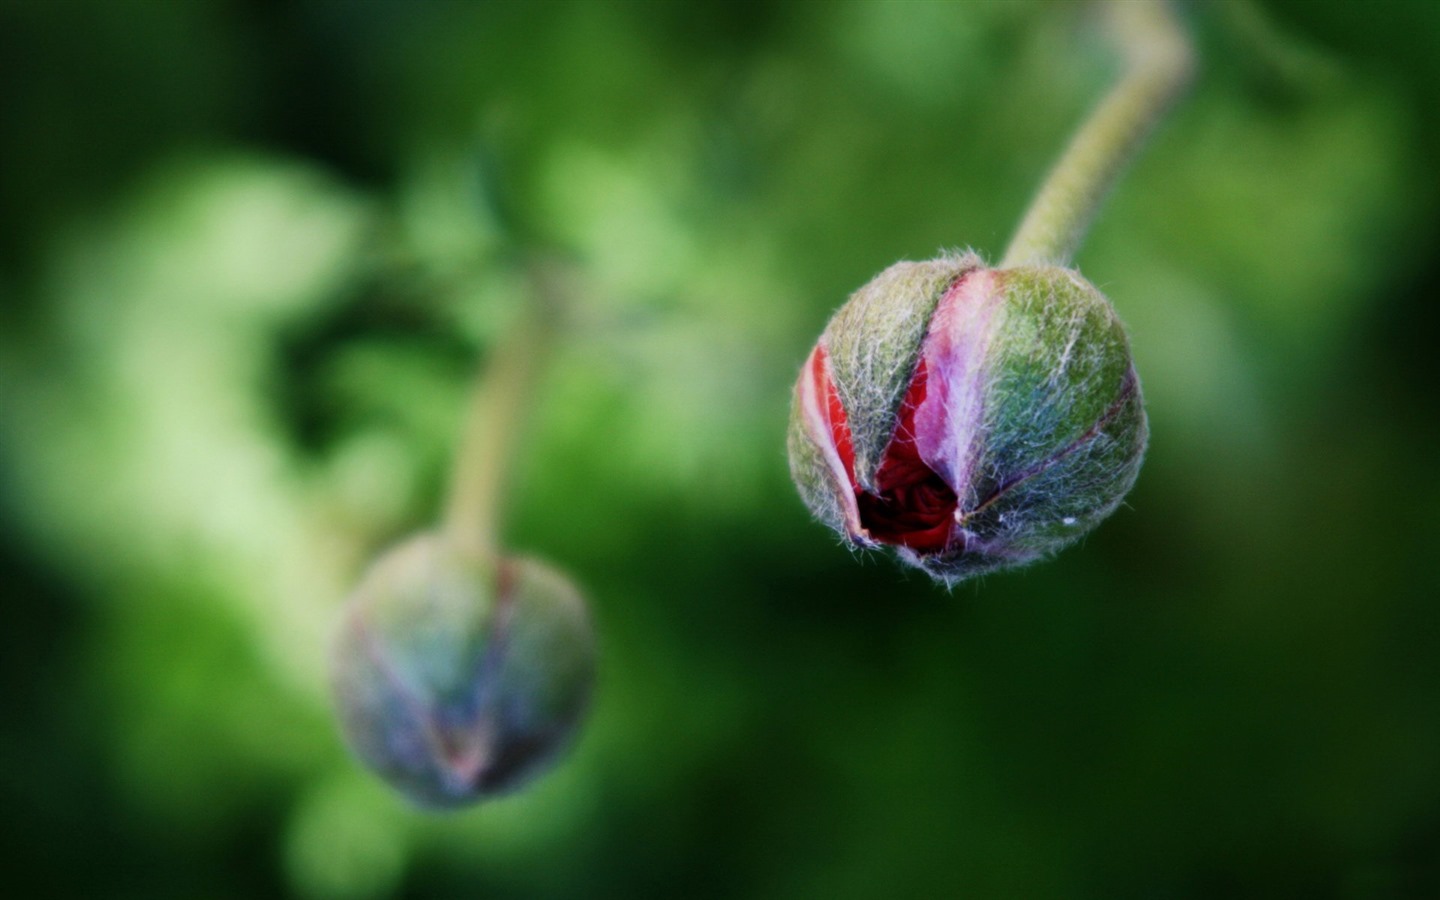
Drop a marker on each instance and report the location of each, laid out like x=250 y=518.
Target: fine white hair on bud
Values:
x=459 y=677
x=970 y=418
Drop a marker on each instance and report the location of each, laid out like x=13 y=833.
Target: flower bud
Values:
x=459 y=678
x=971 y=418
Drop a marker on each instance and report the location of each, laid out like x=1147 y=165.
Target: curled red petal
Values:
x=834 y=412
x=913 y=506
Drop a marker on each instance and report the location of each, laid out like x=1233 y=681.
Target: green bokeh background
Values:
x=250 y=253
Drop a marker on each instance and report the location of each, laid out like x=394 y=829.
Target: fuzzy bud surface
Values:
x=969 y=418
x=459 y=678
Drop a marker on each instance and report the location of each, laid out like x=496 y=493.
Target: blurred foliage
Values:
x=252 y=252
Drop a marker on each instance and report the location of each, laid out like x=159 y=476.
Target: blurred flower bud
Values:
x=459 y=678
x=969 y=417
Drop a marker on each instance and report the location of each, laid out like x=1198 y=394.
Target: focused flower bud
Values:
x=971 y=418
x=459 y=678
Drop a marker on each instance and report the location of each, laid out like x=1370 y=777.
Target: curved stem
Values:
x=1158 y=64
x=500 y=401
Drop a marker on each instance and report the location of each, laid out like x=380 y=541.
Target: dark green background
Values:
x=251 y=251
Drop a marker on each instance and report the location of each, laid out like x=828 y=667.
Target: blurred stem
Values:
x=500 y=402
x=1159 y=60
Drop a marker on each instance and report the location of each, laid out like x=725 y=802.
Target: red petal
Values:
x=914 y=507
x=833 y=410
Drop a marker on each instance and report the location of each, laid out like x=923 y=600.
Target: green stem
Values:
x=500 y=402
x=1158 y=63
